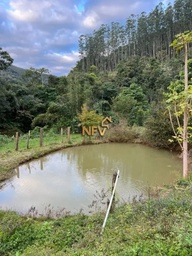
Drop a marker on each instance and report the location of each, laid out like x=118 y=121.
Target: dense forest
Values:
x=142 y=35
x=123 y=72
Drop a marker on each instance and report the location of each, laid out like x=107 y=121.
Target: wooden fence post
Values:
x=28 y=137
x=62 y=135
x=68 y=134
x=41 y=137
x=17 y=141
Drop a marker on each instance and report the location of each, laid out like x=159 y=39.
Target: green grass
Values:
x=8 y=144
x=10 y=158
x=155 y=227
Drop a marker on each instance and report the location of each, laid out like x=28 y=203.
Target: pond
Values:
x=76 y=177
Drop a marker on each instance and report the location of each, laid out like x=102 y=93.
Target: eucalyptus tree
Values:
x=169 y=32
x=179 y=14
x=83 y=51
x=142 y=35
x=114 y=44
x=107 y=48
x=90 y=50
x=188 y=14
x=131 y=28
x=160 y=27
x=156 y=30
x=122 y=44
x=99 y=49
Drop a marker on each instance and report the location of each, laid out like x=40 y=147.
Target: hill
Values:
x=12 y=74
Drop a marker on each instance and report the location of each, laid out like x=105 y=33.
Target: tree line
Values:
x=142 y=35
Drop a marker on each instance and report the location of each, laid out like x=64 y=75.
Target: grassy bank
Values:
x=10 y=158
x=161 y=226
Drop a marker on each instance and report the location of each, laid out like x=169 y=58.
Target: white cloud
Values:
x=64 y=61
x=27 y=15
x=91 y=20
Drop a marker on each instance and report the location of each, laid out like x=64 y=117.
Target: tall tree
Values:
x=5 y=59
x=183 y=99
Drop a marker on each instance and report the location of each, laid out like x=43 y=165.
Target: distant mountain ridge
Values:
x=15 y=74
x=12 y=74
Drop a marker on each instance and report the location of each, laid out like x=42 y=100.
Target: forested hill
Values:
x=124 y=72
x=12 y=74
x=142 y=35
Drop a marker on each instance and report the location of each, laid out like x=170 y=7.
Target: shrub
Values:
x=124 y=133
x=158 y=128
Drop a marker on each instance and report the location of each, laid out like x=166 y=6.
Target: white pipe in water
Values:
x=110 y=203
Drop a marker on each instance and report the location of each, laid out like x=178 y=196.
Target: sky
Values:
x=45 y=33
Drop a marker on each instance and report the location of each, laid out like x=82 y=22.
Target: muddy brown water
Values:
x=76 y=177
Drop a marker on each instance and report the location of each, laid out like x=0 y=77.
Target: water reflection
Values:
x=70 y=178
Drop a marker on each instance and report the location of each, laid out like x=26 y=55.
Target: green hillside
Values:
x=12 y=74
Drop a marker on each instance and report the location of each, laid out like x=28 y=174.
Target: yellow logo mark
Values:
x=91 y=130
x=108 y=119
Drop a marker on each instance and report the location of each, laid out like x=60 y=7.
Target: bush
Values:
x=124 y=133
x=158 y=128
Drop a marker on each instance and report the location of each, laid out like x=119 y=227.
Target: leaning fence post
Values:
x=68 y=134
x=62 y=135
x=41 y=137
x=17 y=141
x=110 y=203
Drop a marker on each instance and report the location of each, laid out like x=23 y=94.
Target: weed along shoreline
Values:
x=158 y=225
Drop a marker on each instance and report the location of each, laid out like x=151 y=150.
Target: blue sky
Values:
x=45 y=33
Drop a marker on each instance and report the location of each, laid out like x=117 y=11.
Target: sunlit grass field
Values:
x=8 y=144
x=11 y=158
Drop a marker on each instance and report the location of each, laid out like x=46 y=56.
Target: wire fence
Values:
x=37 y=138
